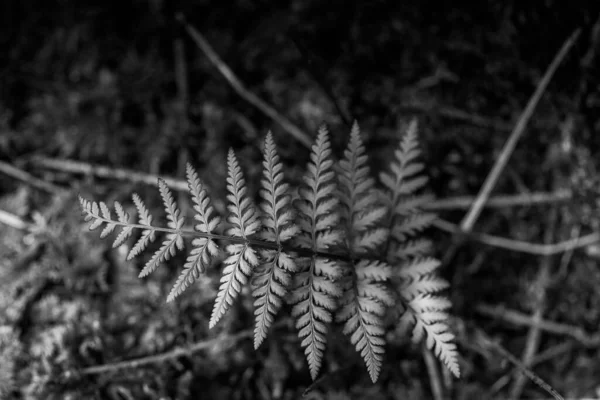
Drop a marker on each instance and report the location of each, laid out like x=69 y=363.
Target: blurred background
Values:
x=123 y=85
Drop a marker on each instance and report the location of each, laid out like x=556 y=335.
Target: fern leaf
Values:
x=203 y=248
x=110 y=226
x=173 y=240
x=97 y=222
x=428 y=315
x=205 y=213
x=238 y=267
x=243 y=215
x=278 y=217
x=313 y=299
x=199 y=257
x=126 y=230
x=270 y=282
x=416 y=281
x=242 y=258
x=100 y=214
x=317 y=206
x=174 y=221
x=148 y=235
x=363 y=213
x=404 y=167
x=363 y=307
x=273 y=278
x=365 y=299
x=314 y=293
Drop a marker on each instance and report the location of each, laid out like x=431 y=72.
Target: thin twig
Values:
x=100 y=171
x=494 y=175
x=489 y=344
x=29 y=179
x=472 y=215
x=518 y=245
x=241 y=89
x=501 y=201
x=519 y=319
x=15 y=221
x=169 y=355
x=534 y=334
x=553 y=352
x=455 y=114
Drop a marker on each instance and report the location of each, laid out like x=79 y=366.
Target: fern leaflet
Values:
x=416 y=281
x=242 y=257
x=314 y=288
x=174 y=240
x=272 y=278
x=148 y=235
x=363 y=304
x=203 y=247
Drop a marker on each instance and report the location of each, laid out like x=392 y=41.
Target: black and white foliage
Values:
x=344 y=251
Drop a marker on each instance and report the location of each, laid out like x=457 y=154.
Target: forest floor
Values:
x=101 y=101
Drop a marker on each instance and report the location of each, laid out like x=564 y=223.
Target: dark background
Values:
x=98 y=82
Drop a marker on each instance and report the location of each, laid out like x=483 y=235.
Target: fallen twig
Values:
x=469 y=220
x=519 y=319
x=241 y=89
x=487 y=343
x=100 y=171
x=518 y=245
x=169 y=355
x=15 y=221
x=456 y=114
x=502 y=201
x=492 y=178
x=534 y=334
x=29 y=179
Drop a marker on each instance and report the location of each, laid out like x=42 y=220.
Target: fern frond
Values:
x=173 y=241
x=317 y=204
x=238 y=268
x=203 y=247
x=405 y=178
x=363 y=304
x=272 y=279
x=110 y=227
x=100 y=214
x=333 y=247
x=126 y=228
x=242 y=258
x=314 y=293
x=271 y=282
x=362 y=210
x=243 y=215
x=148 y=235
x=416 y=282
x=313 y=298
x=428 y=315
x=278 y=216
